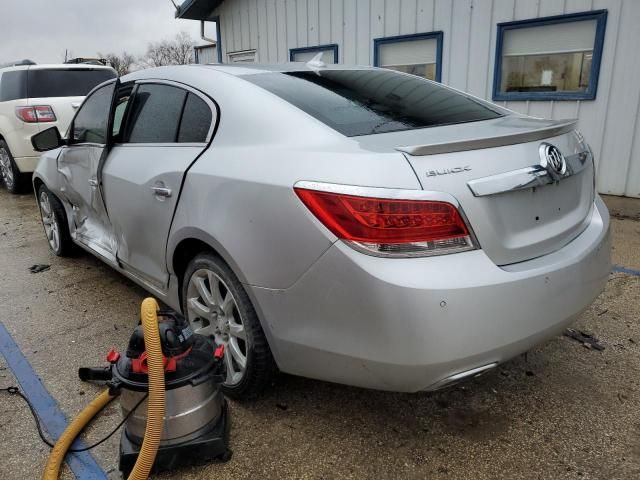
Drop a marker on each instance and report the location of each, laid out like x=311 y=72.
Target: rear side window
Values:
x=155 y=114
x=13 y=85
x=364 y=102
x=196 y=120
x=65 y=82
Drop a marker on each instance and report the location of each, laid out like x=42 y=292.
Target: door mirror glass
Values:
x=47 y=140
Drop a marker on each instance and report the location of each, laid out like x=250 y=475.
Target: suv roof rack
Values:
x=90 y=61
x=17 y=63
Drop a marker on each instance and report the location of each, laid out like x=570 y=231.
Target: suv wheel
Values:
x=216 y=304
x=9 y=173
x=54 y=221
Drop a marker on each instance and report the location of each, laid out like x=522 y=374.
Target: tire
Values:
x=54 y=222
x=211 y=312
x=10 y=175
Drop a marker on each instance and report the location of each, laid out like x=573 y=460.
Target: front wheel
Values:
x=54 y=221
x=216 y=304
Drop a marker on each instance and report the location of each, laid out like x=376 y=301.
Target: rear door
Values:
x=78 y=165
x=166 y=127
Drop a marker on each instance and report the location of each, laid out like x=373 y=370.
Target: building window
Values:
x=419 y=54
x=242 y=56
x=552 y=58
x=329 y=53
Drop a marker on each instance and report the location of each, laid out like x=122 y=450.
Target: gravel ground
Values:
x=562 y=411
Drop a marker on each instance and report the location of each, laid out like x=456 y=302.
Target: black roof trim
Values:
x=197 y=9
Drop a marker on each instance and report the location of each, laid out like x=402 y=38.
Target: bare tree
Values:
x=178 y=51
x=121 y=63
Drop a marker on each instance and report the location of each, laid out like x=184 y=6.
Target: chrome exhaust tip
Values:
x=458 y=377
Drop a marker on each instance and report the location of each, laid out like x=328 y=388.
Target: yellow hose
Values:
x=56 y=456
x=155 y=405
x=155 y=402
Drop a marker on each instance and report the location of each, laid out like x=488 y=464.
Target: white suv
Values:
x=33 y=98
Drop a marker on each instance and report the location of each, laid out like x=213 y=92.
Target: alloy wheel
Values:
x=212 y=311
x=49 y=221
x=6 y=171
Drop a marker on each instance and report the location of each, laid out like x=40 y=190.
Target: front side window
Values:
x=370 y=101
x=419 y=54
x=155 y=114
x=90 y=124
x=329 y=53
x=554 y=58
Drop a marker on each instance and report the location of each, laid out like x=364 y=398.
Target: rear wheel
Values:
x=13 y=179
x=54 y=221
x=216 y=304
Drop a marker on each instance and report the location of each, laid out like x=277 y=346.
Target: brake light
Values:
x=390 y=227
x=36 y=114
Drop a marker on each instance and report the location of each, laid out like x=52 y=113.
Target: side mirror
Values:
x=47 y=140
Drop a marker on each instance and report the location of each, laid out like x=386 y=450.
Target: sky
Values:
x=41 y=30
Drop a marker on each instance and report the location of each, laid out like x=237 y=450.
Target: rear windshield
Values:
x=364 y=102
x=65 y=83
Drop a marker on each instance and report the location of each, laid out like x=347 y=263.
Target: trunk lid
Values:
x=518 y=207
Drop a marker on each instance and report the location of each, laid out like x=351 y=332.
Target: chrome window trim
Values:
x=170 y=145
x=528 y=177
x=188 y=88
x=392 y=194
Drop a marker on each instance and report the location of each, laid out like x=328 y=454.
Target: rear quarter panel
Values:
x=16 y=133
x=241 y=201
x=238 y=197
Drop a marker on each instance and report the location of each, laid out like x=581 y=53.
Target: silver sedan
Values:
x=349 y=224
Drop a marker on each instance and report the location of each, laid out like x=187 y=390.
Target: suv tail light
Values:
x=36 y=114
x=393 y=227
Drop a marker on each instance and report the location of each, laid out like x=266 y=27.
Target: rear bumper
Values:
x=26 y=164
x=409 y=324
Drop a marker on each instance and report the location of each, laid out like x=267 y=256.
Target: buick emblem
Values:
x=552 y=159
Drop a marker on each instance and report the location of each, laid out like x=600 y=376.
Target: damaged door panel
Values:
x=78 y=166
x=166 y=128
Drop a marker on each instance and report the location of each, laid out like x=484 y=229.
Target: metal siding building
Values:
x=205 y=53
x=272 y=28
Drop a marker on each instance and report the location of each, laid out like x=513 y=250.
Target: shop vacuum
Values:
x=195 y=422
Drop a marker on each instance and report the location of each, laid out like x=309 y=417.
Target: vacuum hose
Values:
x=56 y=456
x=155 y=402
x=155 y=405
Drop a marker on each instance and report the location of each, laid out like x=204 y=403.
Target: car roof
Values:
x=186 y=73
x=254 y=68
x=56 y=66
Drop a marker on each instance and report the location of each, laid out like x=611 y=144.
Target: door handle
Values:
x=161 y=191
x=93 y=182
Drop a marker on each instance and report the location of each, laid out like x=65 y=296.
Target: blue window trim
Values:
x=438 y=36
x=329 y=46
x=599 y=15
x=218 y=37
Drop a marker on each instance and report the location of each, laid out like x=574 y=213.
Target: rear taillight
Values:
x=390 y=226
x=36 y=114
